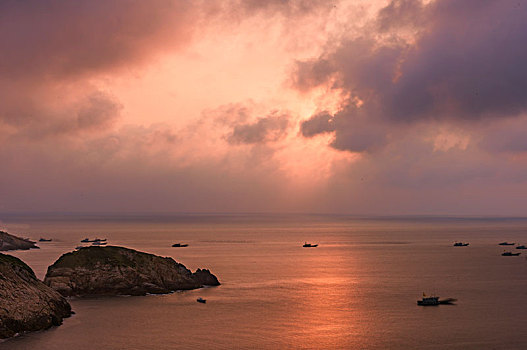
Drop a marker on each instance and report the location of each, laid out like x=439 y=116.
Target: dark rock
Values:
x=10 y=242
x=205 y=277
x=27 y=304
x=121 y=271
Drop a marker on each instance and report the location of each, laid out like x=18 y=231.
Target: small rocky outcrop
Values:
x=204 y=277
x=121 y=271
x=10 y=242
x=27 y=304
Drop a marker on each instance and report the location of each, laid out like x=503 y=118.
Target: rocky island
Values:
x=121 y=271
x=27 y=304
x=10 y=242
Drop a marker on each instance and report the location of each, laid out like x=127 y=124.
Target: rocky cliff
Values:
x=10 y=242
x=121 y=271
x=27 y=304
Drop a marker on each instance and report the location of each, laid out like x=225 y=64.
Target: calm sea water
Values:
x=357 y=290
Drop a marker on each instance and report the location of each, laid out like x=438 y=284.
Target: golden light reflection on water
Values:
x=326 y=306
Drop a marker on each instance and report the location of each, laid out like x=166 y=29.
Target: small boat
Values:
x=179 y=245
x=87 y=240
x=460 y=244
x=506 y=243
x=428 y=301
x=433 y=301
x=521 y=247
x=510 y=254
x=97 y=243
x=201 y=300
x=45 y=239
x=309 y=245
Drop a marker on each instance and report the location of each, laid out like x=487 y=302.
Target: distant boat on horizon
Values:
x=309 y=245
x=45 y=239
x=87 y=240
x=506 y=243
x=179 y=245
x=510 y=254
x=460 y=244
x=98 y=243
x=521 y=247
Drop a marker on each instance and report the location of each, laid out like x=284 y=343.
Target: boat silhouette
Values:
x=510 y=254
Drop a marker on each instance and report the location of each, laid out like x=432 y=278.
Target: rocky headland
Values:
x=27 y=304
x=10 y=242
x=113 y=270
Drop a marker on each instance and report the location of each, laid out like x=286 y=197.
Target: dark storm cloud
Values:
x=466 y=62
x=469 y=64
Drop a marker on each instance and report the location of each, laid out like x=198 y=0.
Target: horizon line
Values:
x=249 y=213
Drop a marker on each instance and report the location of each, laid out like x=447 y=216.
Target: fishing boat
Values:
x=201 y=300
x=45 y=239
x=433 y=301
x=98 y=243
x=521 y=247
x=460 y=244
x=506 y=243
x=510 y=254
x=87 y=240
x=309 y=245
x=178 y=245
x=428 y=301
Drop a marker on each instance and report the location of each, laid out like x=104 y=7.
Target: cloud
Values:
x=423 y=107
x=57 y=39
x=401 y=13
x=265 y=129
x=99 y=111
x=53 y=52
x=96 y=112
x=137 y=168
x=508 y=137
x=462 y=62
x=318 y=124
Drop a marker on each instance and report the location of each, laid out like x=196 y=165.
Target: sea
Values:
x=357 y=290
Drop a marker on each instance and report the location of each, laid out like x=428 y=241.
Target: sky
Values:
x=403 y=107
